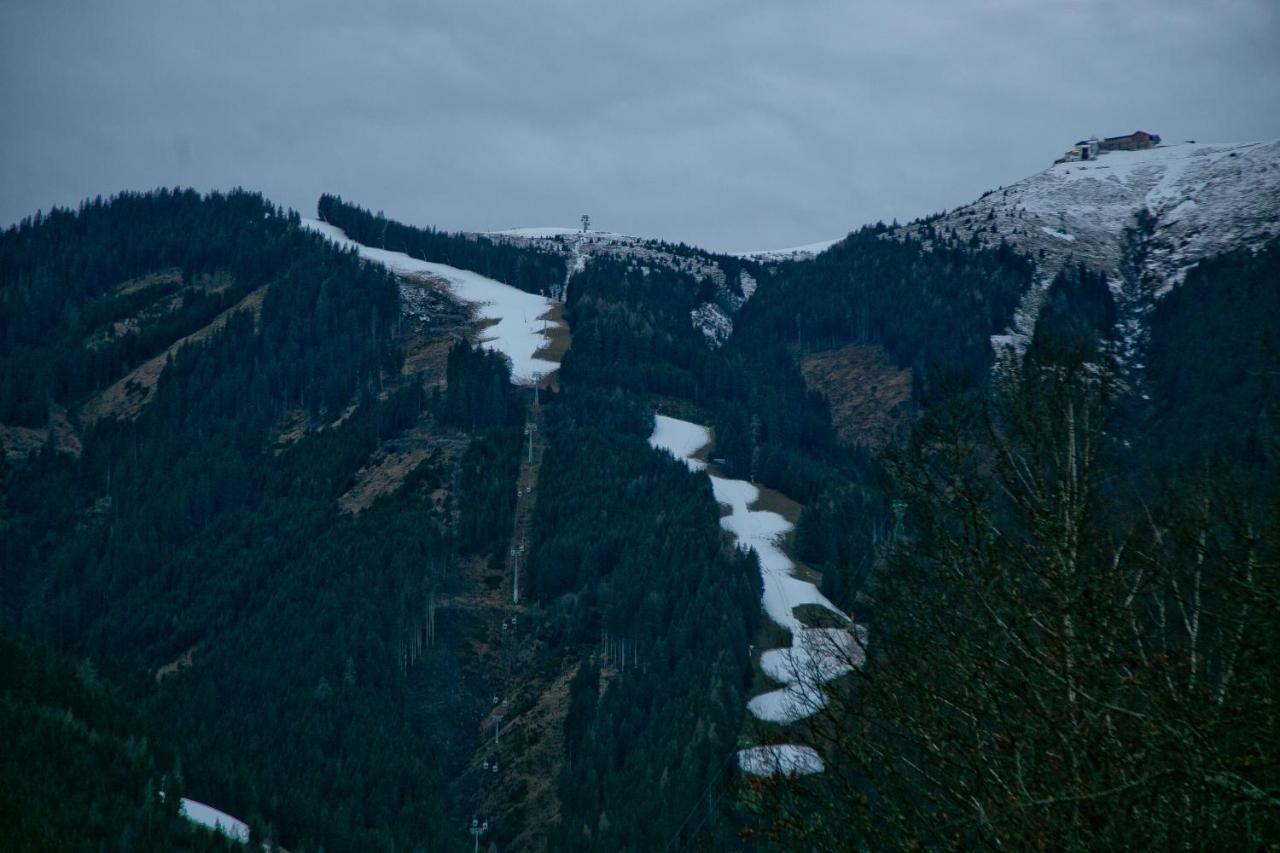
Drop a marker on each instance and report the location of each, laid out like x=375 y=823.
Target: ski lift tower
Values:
x=586 y=223
x=478 y=829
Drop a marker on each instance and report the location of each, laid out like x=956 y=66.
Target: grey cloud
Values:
x=735 y=125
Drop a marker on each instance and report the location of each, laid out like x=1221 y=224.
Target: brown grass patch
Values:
x=869 y=395
x=127 y=397
x=17 y=442
x=382 y=476
x=559 y=338
x=134 y=285
x=428 y=359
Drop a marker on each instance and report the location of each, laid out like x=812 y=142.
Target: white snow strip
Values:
x=760 y=530
x=1061 y=235
x=807 y=250
x=780 y=760
x=220 y=821
x=816 y=655
x=516 y=316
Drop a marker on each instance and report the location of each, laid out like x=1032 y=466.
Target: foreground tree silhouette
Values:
x=1051 y=663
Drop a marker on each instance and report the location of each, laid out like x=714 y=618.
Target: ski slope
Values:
x=816 y=655
x=514 y=324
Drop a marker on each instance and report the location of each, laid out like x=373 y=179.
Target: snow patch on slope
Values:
x=715 y=319
x=515 y=318
x=219 y=821
x=681 y=439
x=1204 y=199
x=816 y=655
x=712 y=322
x=779 y=760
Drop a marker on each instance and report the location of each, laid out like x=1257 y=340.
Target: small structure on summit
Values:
x=1089 y=149
x=1139 y=140
x=1085 y=149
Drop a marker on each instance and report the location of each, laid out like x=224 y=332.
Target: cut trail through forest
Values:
x=816 y=655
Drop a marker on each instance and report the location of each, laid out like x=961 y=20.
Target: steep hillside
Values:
x=245 y=552
x=1142 y=217
x=79 y=770
x=1201 y=200
x=369 y=550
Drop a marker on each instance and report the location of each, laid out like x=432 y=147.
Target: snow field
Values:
x=516 y=328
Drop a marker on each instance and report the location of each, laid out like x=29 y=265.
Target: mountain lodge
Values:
x=1089 y=149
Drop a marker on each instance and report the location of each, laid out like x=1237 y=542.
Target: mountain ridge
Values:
x=1142 y=217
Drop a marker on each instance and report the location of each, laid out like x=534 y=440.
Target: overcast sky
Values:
x=735 y=125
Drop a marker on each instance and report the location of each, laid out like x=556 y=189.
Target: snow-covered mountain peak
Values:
x=1200 y=199
x=1143 y=217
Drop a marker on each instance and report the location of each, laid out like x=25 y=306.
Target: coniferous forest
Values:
x=251 y=557
x=530 y=270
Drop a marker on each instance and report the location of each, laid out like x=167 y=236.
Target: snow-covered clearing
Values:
x=681 y=439
x=816 y=655
x=217 y=820
x=515 y=325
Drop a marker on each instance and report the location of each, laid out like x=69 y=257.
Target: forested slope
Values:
x=199 y=559
x=606 y=538
x=1071 y=628
x=77 y=768
x=318 y=668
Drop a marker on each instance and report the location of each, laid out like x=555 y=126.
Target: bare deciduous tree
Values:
x=1053 y=662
